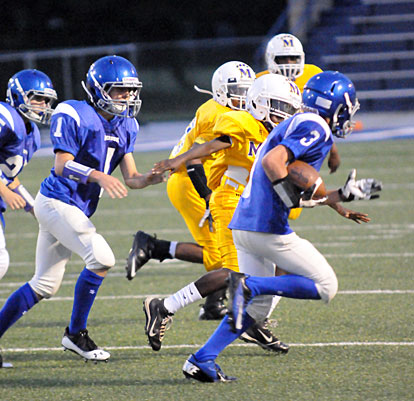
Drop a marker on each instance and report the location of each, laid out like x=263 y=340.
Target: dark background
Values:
x=168 y=66
x=77 y=23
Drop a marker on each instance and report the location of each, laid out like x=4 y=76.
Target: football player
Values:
x=188 y=191
x=238 y=136
x=284 y=55
x=90 y=139
x=260 y=226
x=29 y=100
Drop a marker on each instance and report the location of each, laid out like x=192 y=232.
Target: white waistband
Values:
x=238 y=174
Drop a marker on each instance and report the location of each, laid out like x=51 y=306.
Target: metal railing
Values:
x=168 y=70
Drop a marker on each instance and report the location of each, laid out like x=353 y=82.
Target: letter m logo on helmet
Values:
x=287 y=42
x=245 y=72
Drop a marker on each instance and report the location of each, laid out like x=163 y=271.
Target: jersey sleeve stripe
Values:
x=7 y=115
x=64 y=108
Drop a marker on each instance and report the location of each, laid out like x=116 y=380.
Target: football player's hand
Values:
x=165 y=165
x=207 y=216
x=152 y=178
x=13 y=200
x=351 y=214
x=111 y=185
x=363 y=189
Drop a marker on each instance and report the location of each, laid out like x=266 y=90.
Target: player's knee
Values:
x=43 y=287
x=328 y=288
x=102 y=255
x=4 y=262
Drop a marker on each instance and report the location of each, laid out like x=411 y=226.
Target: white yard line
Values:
x=302 y=345
x=143 y=296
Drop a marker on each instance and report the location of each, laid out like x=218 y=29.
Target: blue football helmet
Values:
x=113 y=72
x=332 y=95
x=31 y=85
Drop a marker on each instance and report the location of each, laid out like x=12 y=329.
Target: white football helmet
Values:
x=279 y=49
x=231 y=81
x=273 y=94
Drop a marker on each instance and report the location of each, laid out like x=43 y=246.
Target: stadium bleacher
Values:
x=372 y=41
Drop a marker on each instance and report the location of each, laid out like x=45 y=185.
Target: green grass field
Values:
x=360 y=347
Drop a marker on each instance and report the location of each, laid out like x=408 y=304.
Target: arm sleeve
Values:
x=198 y=178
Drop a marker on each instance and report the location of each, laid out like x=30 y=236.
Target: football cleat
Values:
x=140 y=253
x=214 y=308
x=158 y=320
x=84 y=346
x=206 y=372
x=260 y=334
x=239 y=297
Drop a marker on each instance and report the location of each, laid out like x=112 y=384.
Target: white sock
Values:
x=186 y=296
x=173 y=247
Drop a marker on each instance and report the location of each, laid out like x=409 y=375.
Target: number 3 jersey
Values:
x=78 y=129
x=16 y=145
x=309 y=138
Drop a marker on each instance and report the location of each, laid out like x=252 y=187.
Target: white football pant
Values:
x=258 y=253
x=64 y=229
x=4 y=255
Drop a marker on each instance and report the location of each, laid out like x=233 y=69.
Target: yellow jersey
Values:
x=309 y=71
x=200 y=130
x=246 y=134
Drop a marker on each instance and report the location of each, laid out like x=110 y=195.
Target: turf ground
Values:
x=360 y=347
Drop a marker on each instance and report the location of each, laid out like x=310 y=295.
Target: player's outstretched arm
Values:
x=196 y=152
x=135 y=180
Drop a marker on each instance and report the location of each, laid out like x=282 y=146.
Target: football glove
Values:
x=293 y=197
x=307 y=195
x=207 y=216
x=363 y=189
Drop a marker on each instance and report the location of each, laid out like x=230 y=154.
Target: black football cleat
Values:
x=214 y=308
x=84 y=346
x=260 y=334
x=239 y=297
x=206 y=372
x=140 y=253
x=158 y=320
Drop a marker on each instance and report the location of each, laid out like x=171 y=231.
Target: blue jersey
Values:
x=16 y=145
x=260 y=209
x=78 y=129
